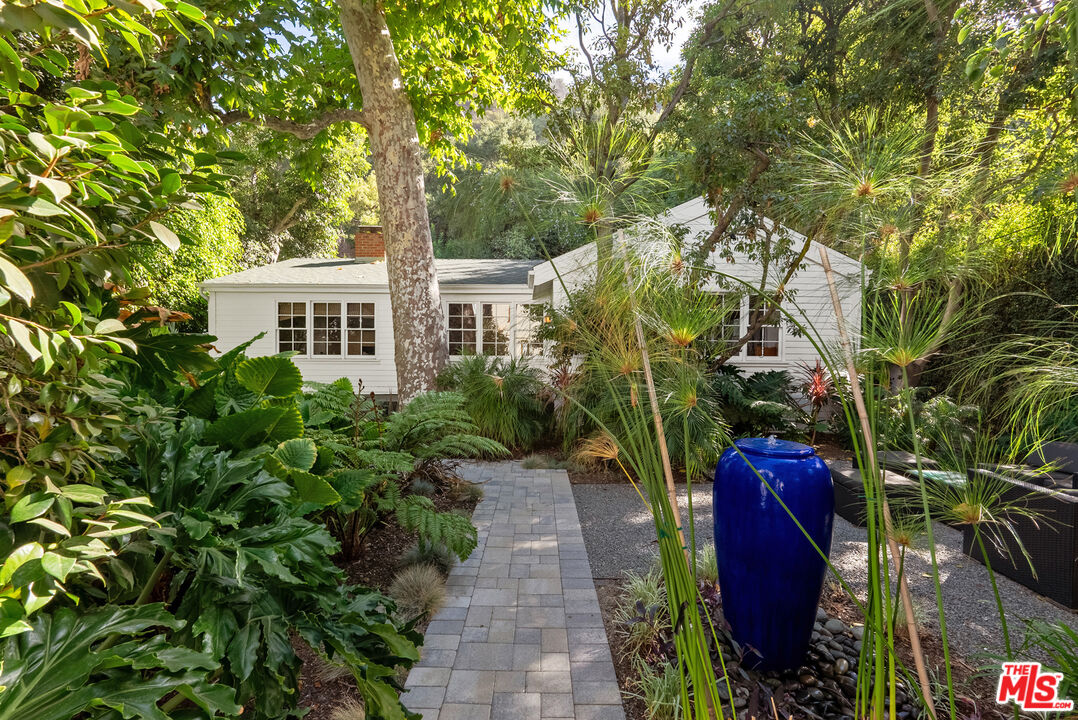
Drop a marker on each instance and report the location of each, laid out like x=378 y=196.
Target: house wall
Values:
x=809 y=298
x=238 y=314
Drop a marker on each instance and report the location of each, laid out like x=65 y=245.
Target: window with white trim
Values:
x=526 y=328
x=764 y=342
x=292 y=327
x=730 y=306
x=326 y=326
x=462 y=333
x=359 y=327
x=496 y=328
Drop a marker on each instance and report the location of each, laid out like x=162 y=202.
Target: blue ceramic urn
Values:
x=770 y=576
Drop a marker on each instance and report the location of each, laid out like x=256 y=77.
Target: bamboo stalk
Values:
x=870 y=448
x=664 y=453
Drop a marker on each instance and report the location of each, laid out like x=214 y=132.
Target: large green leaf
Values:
x=47 y=671
x=314 y=489
x=275 y=376
x=255 y=426
x=297 y=453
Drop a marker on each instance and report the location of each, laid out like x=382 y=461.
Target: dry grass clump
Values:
x=419 y=591
x=350 y=709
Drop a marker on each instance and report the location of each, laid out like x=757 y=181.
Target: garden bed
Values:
x=822 y=687
x=324 y=687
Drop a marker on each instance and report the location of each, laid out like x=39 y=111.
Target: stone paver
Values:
x=521 y=635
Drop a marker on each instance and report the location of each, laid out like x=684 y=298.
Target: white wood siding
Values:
x=237 y=315
x=809 y=298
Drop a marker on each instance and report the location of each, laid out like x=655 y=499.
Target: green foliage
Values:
x=425 y=553
x=81 y=185
x=433 y=427
x=298 y=196
x=502 y=397
x=660 y=690
x=755 y=404
x=70 y=663
x=940 y=422
x=1059 y=643
x=418 y=514
x=210 y=247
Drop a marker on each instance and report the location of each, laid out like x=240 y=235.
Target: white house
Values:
x=335 y=313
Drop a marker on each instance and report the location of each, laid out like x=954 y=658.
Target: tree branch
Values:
x=773 y=303
x=763 y=161
x=287 y=221
x=690 y=64
x=304 y=130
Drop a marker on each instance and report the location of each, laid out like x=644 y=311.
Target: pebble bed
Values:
x=824 y=686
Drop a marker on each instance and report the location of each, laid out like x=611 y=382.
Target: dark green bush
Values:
x=502 y=396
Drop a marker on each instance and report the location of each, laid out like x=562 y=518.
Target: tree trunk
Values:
x=419 y=337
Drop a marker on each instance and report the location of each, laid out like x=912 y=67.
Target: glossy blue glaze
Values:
x=769 y=574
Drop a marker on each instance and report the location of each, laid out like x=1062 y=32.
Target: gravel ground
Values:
x=620 y=536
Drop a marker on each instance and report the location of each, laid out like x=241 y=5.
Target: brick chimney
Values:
x=369 y=244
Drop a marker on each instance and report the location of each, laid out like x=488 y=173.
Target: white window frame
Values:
x=777 y=320
x=477 y=330
x=373 y=329
x=509 y=336
x=277 y=325
x=742 y=354
x=340 y=327
x=517 y=319
x=308 y=304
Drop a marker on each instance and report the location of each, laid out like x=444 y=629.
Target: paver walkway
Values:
x=521 y=635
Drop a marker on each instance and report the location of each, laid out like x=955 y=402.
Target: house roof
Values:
x=696 y=216
x=345 y=271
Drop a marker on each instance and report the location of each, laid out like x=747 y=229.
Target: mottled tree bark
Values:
x=419 y=337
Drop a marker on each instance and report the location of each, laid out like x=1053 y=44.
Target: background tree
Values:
x=298 y=196
x=414 y=76
x=211 y=245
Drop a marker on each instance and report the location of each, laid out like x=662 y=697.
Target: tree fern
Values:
x=436 y=425
x=418 y=514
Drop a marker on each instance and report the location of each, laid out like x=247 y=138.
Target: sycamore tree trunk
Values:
x=419 y=337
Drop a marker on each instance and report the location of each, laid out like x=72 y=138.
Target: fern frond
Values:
x=418 y=514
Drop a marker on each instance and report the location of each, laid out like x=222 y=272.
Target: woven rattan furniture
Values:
x=850 y=491
x=1051 y=540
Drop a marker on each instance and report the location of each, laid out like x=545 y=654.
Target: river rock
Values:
x=842 y=666
x=835 y=626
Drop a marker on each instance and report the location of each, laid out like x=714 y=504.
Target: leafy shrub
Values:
x=659 y=689
x=1059 y=643
x=422 y=486
x=755 y=404
x=428 y=553
x=707 y=566
x=419 y=590
x=642 y=611
x=940 y=422
x=502 y=397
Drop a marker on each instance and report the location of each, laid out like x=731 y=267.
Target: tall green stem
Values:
x=930 y=534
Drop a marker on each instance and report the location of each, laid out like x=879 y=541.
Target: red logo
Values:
x=1025 y=684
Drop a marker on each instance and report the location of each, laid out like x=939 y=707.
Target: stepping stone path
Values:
x=521 y=635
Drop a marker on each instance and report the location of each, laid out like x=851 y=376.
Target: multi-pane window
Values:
x=765 y=340
x=360 y=327
x=462 y=332
x=326 y=326
x=292 y=327
x=730 y=306
x=496 y=328
x=526 y=330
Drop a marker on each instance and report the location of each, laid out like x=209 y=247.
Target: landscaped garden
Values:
x=752 y=391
